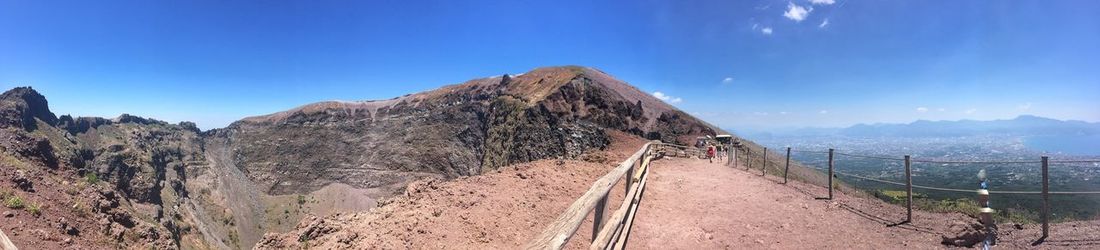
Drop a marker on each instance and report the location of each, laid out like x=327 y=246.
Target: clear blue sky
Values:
x=734 y=63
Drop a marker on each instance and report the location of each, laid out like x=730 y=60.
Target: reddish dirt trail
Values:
x=692 y=204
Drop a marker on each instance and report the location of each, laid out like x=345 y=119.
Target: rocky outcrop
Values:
x=22 y=107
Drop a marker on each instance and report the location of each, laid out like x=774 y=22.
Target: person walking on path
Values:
x=710 y=154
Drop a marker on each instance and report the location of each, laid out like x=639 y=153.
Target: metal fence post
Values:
x=1046 y=198
x=787 y=166
x=764 y=168
x=908 y=191
x=830 y=174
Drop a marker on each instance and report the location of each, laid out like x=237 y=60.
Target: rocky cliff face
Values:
x=137 y=182
x=456 y=130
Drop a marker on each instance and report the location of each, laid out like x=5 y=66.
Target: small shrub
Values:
x=301 y=200
x=4 y=194
x=79 y=209
x=14 y=202
x=34 y=209
x=91 y=177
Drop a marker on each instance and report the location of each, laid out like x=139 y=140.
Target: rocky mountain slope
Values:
x=133 y=182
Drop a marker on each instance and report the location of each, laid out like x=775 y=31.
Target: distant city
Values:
x=1021 y=141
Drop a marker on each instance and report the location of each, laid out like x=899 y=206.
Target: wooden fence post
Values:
x=787 y=166
x=630 y=177
x=748 y=158
x=830 y=174
x=764 y=167
x=1046 y=199
x=735 y=156
x=597 y=219
x=908 y=191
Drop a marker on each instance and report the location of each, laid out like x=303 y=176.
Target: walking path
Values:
x=693 y=204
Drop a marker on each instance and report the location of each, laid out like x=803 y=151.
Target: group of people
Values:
x=716 y=151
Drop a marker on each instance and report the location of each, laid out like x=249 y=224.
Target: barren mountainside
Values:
x=456 y=130
x=136 y=182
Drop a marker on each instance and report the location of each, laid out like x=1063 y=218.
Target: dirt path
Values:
x=692 y=204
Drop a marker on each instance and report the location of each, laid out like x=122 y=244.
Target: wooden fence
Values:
x=5 y=243
x=614 y=232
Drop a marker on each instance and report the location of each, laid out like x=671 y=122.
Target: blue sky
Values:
x=739 y=64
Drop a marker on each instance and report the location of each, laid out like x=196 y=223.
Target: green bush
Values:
x=14 y=202
x=34 y=209
x=91 y=177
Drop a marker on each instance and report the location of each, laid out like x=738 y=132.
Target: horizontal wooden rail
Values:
x=612 y=231
x=5 y=243
x=565 y=226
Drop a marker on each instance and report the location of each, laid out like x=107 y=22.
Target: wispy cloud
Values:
x=941 y=109
x=823 y=23
x=971 y=111
x=766 y=30
x=760 y=113
x=823 y=2
x=796 y=12
x=922 y=109
x=667 y=98
x=823 y=112
x=728 y=80
x=783 y=112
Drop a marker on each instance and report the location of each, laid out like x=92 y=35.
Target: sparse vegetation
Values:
x=4 y=194
x=91 y=177
x=961 y=205
x=34 y=209
x=14 y=202
x=11 y=160
x=301 y=200
x=79 y=208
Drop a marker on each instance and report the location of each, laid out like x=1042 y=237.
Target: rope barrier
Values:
x=1074 y=161
x=977 y=162
x=871 y=157
x=961 y=190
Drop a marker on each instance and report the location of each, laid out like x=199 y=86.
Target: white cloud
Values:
x=823 y=23
x=1024 y=107
x=760 y=113
x=766 y=30
x=797 y=13
x=941 y=109
x=667 y=98
x=922 y=109
x=728 y=80
x=971 y=111
x=823 y=112
x=783 y=112
x=823 y=2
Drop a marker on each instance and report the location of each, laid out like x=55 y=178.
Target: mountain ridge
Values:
x=151 y=183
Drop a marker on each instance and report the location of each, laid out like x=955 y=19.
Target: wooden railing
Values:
x=5 y=243
x=613 y=233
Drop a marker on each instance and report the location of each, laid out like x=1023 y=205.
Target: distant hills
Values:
x=1024 y=125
